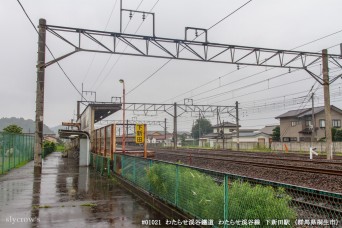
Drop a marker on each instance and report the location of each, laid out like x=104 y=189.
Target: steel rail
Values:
x=267 y=157
x=263 y=165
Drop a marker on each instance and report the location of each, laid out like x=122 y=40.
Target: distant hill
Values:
x=27 y=125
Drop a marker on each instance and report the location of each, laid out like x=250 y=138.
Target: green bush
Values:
x=162 y=179
x=259 y=202
x=60 y=147
x=48 y=147
x=203 y=196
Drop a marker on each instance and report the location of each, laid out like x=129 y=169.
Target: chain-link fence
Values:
x=15 y=150
x=222 y=200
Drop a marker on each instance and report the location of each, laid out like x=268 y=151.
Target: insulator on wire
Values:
x=238 y=67
x=143 y=16
x=289 y=70
x=196 y=33
x=130 y=15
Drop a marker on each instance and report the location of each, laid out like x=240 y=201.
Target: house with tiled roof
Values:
x=297 y=125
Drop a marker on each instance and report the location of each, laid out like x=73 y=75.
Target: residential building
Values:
x=226 y=132
x=268 y=129
x=297 y=125
x=225 y=127
x=158 y=137
x=253 y=137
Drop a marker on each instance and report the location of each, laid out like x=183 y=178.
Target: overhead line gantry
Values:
x=179 y=49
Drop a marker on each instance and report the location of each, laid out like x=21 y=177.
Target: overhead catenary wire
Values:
x=263 y=102
x=118 y=59
x=263 y=90
x=120 y=56
x=218 y=78
x=92 y=61
x=246 y=78
x=210 y=90
x=110 y=56
x=28 y=17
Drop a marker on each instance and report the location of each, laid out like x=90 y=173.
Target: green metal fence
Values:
x=222 y=200
x=15 y=149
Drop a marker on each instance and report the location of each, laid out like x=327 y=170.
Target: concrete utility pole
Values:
x=123 y=141
x=165 y=128
x=313 y=133
x=217 y=123
x=40 y=98
x=328 y=122
x=223 y=134
x=175 y=126
x=237 y=126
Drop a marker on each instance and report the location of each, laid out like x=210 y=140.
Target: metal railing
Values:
x=15 y=150
x=221 y=199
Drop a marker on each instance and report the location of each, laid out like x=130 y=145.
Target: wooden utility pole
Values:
x=237 y=126
x=326 y=89
x=40 y=98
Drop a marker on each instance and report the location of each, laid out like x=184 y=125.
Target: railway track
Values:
x=308 y=204
x=242 y=155
x=278 y=155
x=258 y=164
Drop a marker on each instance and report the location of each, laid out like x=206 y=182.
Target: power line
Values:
x=210 y=90
x=254 y=104
x=302 y=45
x=321 y=38
x=243 y=87
x=229 y=15
x=167 y=62
x=118 y=59
x=263 y=90
x=22 y=7
x=227 y=84
x=92 y=61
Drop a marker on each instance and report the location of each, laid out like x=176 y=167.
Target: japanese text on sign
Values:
x=139 y=133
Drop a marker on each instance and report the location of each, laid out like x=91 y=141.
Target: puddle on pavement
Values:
x=72 y=196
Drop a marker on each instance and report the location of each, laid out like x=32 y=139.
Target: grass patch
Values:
x=202 y=195
x=21 y=164
x=60 y=148
x=40 y=206
x=88 y=205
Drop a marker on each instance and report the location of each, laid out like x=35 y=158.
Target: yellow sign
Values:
x=139 y=133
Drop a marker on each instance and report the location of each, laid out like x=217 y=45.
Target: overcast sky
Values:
x=281 y=24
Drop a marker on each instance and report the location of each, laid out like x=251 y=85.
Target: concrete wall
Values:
x=304 y=146
x=251 y=139
x=277 y=146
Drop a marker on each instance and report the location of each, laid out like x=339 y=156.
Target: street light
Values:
x=123 y=116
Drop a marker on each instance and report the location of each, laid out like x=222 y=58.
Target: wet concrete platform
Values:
x=66 y=195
